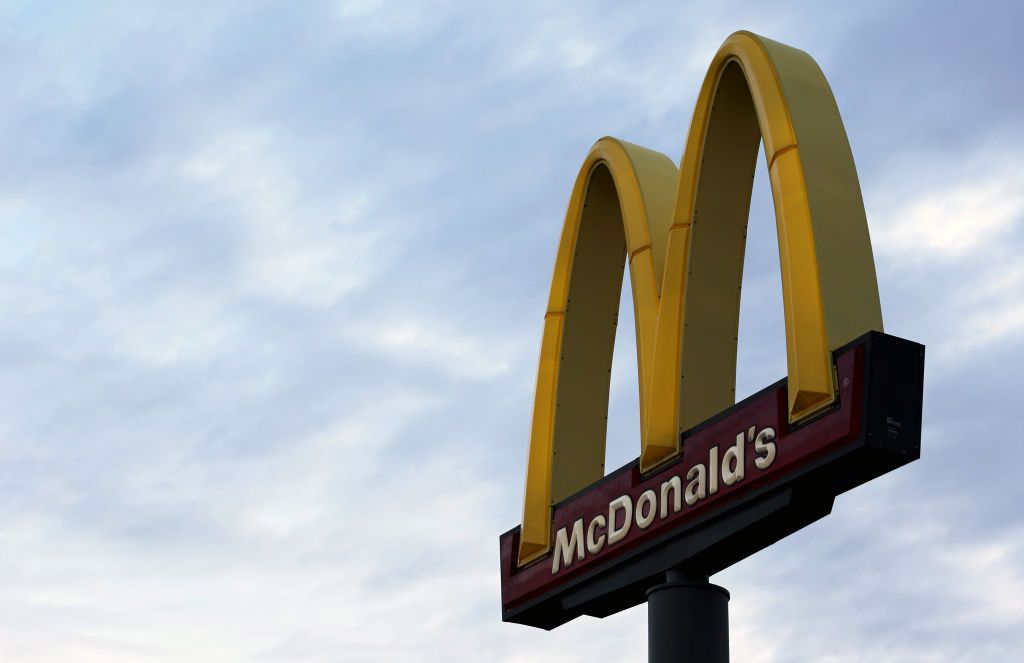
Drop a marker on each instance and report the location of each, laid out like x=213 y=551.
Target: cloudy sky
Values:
x=274 y=278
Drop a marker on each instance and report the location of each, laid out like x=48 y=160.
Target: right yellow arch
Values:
x=687 y=264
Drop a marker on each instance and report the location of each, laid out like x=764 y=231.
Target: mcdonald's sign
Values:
x=715 y=480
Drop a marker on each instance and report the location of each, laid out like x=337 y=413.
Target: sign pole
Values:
x=687 y=620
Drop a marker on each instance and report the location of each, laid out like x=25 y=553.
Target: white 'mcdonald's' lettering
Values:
x=721 y=471
x=564 y=546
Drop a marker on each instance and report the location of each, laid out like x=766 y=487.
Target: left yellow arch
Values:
x=683 y=234
x=621 y=205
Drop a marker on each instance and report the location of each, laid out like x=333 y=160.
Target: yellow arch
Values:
x=684 y=234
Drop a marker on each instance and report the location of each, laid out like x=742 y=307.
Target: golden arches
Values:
x=684 y=234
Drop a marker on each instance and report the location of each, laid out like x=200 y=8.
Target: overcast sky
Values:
x=274 y=278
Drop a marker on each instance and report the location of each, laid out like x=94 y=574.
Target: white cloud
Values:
x=958 y=218
x=956 y=231
x=435 y=345
x=289 y=253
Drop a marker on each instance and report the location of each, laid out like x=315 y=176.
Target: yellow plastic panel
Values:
x=682 y=234
x=619 y=189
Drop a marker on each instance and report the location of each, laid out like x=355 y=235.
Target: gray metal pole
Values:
x=687 y=621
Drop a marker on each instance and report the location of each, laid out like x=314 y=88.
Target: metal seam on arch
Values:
x=778 y=153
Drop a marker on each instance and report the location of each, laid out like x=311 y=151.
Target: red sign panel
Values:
x=723 y=460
